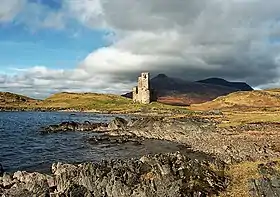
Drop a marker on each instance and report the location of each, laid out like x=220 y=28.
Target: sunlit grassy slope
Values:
x=240 y=108
x=253 y=99
x=101 y=103
x=11 y=100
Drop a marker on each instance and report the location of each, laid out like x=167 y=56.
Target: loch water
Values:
x=24 y=147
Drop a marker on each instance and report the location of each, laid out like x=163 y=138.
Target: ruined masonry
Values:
x=142 y=92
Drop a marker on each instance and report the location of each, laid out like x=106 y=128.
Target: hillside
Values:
x=176 y=91
x=218 y=81
x=106 y=103
x=252 y=99
x=84 y=101
x=91 y=102
x=12 y=100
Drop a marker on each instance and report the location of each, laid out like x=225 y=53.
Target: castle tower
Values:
x=145 y=80
x=135 y=94
x=142 y=92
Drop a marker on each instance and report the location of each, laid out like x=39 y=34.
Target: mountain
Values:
x=218 y=81
x=177 y=91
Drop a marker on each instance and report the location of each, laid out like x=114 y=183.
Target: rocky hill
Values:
x=177 y=91
x=10 y=100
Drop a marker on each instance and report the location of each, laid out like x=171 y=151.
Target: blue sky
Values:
x=21 y=47
x=48 y=46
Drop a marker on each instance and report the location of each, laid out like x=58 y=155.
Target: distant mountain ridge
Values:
x=218 y=81
x=177 y=91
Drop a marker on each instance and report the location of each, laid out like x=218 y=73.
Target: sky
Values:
x=49 y=46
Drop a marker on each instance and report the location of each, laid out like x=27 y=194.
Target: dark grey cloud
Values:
x=237 y=40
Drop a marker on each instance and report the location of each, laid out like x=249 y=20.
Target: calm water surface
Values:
x=23 y=147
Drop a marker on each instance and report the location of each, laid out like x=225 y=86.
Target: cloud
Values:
x=39 y=16
x=233 y=39
x=191 y=39
x=88 y=12
x=40 y=82
x=9 y=9
x=32 y=13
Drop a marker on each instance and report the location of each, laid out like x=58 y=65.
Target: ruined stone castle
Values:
x=142 y=93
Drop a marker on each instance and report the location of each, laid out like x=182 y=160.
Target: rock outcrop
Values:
x=75 y=126
x=269 y=182
x=108 y=139
x=173 y=175
x=201 y=135
x=118 y=123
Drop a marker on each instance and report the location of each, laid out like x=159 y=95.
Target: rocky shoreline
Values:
x=172 y=174
x=200 y=134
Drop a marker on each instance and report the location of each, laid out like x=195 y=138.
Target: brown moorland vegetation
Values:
x=238 y=100
x=15 y=101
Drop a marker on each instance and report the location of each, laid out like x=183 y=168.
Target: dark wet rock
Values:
x=170 y=174
x=269 y=182
x=75 y=126
x=108 y=139
x=1 y=170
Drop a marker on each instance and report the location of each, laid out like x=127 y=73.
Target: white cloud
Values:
x=33 y=14
x=89 y=12
x=9 y=9
x=40 y=82
x=37 y=16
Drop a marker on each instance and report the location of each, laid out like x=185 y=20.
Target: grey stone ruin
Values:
x=142 y=92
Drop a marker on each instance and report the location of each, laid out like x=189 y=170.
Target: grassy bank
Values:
x=90 y=102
